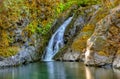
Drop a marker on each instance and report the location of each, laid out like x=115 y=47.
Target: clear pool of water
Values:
x=58 y=70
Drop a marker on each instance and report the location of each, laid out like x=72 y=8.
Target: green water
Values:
x=58 y=70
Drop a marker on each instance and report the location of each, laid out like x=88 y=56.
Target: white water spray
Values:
x=56 y=42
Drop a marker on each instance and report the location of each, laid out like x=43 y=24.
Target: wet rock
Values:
x=1 y=58
x=116 y=62
x=71 y=56
x=26 y=55
x=99 y=60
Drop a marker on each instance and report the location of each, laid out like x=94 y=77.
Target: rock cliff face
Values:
x=93 y=36
x=104 y=44
x=76 y=34
x=31 y=45
x=28 y=47
x=97 y=43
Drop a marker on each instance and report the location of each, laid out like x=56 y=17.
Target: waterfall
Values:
x=56 y=42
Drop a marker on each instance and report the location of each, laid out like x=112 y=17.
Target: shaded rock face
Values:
x=105 y=41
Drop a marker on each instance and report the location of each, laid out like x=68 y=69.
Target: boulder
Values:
x=71 y=56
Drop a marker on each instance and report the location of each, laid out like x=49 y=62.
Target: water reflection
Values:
x=14 y=73
x=117 y=74
x=74 y=70
x=89 y=73
x=101 y=73
x=58 y=70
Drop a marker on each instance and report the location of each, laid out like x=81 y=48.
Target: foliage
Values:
x=62 y=6
x=110 y=4
x=8 y=51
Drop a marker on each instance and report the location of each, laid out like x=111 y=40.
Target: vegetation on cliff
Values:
x=80 y=43
x=36 y=16
x=39 y=14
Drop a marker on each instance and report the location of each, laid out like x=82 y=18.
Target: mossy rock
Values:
x=80 y=43
x=8 y=51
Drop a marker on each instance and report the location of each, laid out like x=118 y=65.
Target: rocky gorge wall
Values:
x=93 y=36
x=80 y=19
x=104 y=44
x=98 y=42
x=31 y=45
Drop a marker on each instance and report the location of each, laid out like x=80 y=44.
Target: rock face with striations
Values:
x=103 y=46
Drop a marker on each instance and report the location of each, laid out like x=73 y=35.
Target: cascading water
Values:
x=56 y=42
